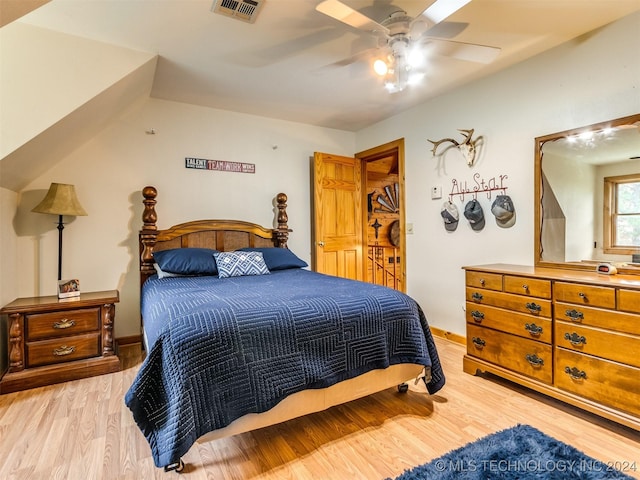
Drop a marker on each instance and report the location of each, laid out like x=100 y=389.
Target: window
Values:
x=622 y=214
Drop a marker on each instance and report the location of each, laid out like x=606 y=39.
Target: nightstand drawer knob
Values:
x=63 y=350
x=64 y=323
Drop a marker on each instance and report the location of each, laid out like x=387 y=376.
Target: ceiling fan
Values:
x=402 y=39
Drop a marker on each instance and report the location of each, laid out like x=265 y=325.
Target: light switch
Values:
x=436 y=192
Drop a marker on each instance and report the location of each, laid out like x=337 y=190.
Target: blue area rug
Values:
x=520 y=453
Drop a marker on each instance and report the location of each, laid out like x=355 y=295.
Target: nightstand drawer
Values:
x=57 y=324
x=59 y=350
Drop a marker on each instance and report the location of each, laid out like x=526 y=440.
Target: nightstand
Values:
x=54 y=340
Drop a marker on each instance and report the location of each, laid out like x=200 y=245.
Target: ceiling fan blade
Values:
x=441 y=30
x=353 y=18
x=470 y=52
x=441 y=9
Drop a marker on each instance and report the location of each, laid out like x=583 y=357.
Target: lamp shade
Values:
x=61 y=199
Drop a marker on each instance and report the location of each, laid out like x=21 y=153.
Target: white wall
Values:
x=584 y=82
x=109 y=172
x=8 y=263
x=589 y=80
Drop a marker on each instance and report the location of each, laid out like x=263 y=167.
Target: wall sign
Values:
x=478 y=185
x=220 y=165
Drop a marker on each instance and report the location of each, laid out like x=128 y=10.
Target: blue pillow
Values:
x=238 y=264
x=187 y=261
x=278 y=258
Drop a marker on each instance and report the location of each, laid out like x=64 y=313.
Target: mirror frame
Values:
x=538 y=192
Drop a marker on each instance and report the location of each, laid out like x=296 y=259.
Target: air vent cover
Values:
x=245 y=10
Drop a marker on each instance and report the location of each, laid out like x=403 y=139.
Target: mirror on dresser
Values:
x=587 y=196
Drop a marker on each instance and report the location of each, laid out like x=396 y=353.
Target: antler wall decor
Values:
x=468 y=147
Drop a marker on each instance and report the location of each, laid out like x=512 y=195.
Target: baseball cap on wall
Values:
x=504 y=211
x=474 y=213
x=450 y=215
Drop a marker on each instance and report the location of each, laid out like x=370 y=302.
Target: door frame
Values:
x=375 y=153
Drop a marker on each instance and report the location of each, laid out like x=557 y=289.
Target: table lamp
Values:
x=60 y=200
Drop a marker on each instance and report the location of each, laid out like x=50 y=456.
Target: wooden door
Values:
x=337 y=212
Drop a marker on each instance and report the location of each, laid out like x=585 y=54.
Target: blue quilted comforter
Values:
x=221 y=348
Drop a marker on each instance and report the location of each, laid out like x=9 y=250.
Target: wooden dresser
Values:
x=52 y=340
x=573 y=335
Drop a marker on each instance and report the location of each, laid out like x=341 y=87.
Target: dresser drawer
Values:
x=491 y=281
x=517 y=303
x=524 y=356
x=597 y=317
x=629 y=300
x=591 y=295
x=532 y=287
x=605 y=382
x=619 y=347
x=58 y=324
x=521 y=324
x=59 y=350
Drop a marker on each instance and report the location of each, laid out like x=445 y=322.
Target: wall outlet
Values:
x=436 y=192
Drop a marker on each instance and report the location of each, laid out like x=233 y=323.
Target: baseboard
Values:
x=130 y=340
x=454 y=337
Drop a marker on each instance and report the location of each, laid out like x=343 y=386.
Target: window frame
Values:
x=611 y=214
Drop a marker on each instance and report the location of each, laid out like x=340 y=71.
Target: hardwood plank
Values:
x=83 y=430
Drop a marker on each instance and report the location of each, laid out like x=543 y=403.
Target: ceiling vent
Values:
x=245 y=10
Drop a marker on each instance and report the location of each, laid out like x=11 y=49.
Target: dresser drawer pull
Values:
x=534 y=360
x=477 y=296
x=525 y=287
x=574 y=315
x=583 y=296
x=575 y=374
x=65 y=323
x=63 y=350
x=482 y=282
x=575 y=339
x=477 y=316
x=533 y=307
x=478 y=342
x=533 y=329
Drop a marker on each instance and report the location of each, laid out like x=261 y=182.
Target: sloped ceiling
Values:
x=287 y=64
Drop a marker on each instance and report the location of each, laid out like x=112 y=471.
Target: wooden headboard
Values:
x=223 y=235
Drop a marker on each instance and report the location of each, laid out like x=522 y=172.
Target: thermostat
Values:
x=607 y=269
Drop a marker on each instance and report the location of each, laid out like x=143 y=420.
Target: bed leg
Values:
x=175 y=467
x=403 y=388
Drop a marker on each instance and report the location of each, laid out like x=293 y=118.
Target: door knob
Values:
x=321 y=243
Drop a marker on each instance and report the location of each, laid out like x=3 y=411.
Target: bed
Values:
x=239 y=334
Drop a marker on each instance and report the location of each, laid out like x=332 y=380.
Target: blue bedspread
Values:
x=222 y=348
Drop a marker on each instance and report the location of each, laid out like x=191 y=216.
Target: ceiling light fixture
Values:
x=399 y=69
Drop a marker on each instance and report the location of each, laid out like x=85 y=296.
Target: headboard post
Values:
x=282 y=232
x=149 y=233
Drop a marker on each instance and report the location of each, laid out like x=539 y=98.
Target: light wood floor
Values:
x=82 y=430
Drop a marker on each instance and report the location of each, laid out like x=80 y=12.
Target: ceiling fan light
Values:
x=415 y=78
x=380 y=67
